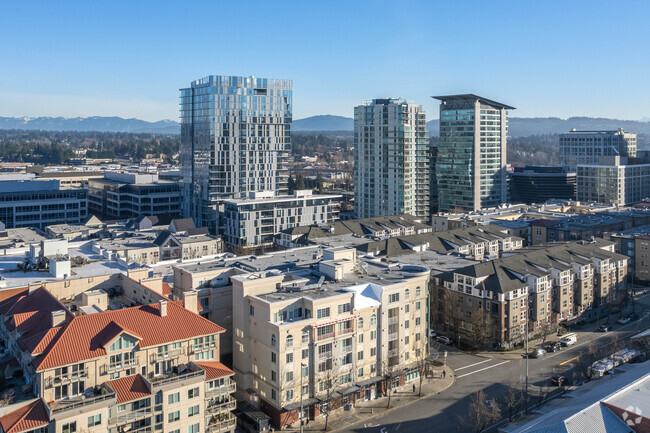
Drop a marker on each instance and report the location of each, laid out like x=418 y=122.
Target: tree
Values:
x=482 y=411
x=483 y=327
x=7 y=397
x=585 y=360
x=319 y=183
x=422 y=362
x=391 y=373
x=514 y=397
x=546 y=330
x=331 y=380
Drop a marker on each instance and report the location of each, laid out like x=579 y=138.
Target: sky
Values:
x=129 y=58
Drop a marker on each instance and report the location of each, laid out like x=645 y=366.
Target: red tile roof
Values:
x=214 y=370
x=12 y=294
x=130 y=388
x=30 y=416
x=166 y=289
x=79 y=339
x=37 y=343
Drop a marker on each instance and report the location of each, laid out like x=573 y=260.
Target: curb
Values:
x=453 y=382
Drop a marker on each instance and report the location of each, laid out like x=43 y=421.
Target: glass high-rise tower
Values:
x=471 y=160
x=391 y=170
x=235 y=139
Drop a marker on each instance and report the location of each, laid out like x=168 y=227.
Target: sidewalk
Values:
x=366 y=411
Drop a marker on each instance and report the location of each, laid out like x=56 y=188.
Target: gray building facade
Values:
x=235 y=139
x=471 y=161
x=586 y=147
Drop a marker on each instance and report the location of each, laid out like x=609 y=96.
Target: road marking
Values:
x=482 y=369
x=468 y=366
x=569 y=360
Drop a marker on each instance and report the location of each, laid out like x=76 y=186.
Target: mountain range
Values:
x=96 y=123
x=518 y=126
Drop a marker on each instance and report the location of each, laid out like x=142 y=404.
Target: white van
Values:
x=569 y=339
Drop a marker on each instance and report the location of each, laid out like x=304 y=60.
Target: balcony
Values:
x=325 y=355
x=228 y=388
x=325 y=336
x=393 y=320
x=346 y=349
x=345 y=331
x=392 y=336
x=213 y=409
x=215 y=426
x=393 y=352
x=99 y=394
x=178 y=375
x=130 y=417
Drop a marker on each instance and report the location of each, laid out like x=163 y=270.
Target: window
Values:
x=418 y=292
x=251 y=310
x=406 y=324
x=194 y=428
x=373 y=351
x=360 y=372
x=193 y=410
x=418 y=305
x=360 y=338
x=70 y=427
x=373 y=335
x=290 y=395
x=174 y=398
x=94 y=420
x=289 y=341
x=305 y=353
x=360 y=355
x=373 y=320
x=289 y=358
x=344 y=308
x=174 y=416
x=274 y=340
x=289 y=376
x=305 y=389
x=305 y=337
x=417 y=321
x=274 y=357
x=407 y=308
x=360 y=324
x=274 y=394
x=194 y=392
x=322 y=313
x=305 y=371
x=393 y=297
x=407 y=294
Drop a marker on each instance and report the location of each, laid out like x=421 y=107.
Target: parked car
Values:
x=606 y=327
x=624 y=320
x=432 y=333
x=601 y=367
x=633 y=316
x=558 y=380
x=553 y=346
x=444 y=340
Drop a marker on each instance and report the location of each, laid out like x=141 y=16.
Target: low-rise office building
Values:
x=613 y=181
x=27 y=202
x=498 y=301
x=257 y=220
x=121 y=195
x=539 y=183
x=586 y=147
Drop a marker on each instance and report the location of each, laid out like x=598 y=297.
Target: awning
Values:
x=350 y=390
x=371 y=381
x=305 y=403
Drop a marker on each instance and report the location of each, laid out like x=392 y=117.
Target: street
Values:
x=447 y=411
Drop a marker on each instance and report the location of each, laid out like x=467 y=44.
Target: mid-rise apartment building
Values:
x=634 y=243
x=121 y=195
x=27 y=202
x=496 y=302
x=586 y=147
x=471 y=160
x=147 y=368
x=258 y=219
x=613 y=181
x=327 y=341
x=391 y=171
x=235 y=139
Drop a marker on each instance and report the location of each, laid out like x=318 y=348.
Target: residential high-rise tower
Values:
x=471 y=161
x=235 y=138
x=391 y=172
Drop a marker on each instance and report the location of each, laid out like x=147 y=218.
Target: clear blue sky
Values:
x=129 y=58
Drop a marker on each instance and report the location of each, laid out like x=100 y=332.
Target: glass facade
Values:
x=586 y=147
x=235 y=138
x=391 y=168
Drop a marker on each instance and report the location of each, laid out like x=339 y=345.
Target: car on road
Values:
x=444 y=340
x=553 y=346
x=569 y=339
x=605 y=327
x=624 y=320
x=558 y=380
x=535 y=353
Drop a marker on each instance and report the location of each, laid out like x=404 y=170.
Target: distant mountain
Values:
x=325 y=122
x=97 y=123
x=525 y=126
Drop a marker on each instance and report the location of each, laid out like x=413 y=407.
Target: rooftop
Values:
x=473 y=97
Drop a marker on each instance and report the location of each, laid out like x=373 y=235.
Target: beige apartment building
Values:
x=152 y=367
x=495 y=301
x=331 y=337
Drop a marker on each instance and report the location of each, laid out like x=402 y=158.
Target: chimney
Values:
x=163 y=308
x=58 y=318
x=190 y=301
